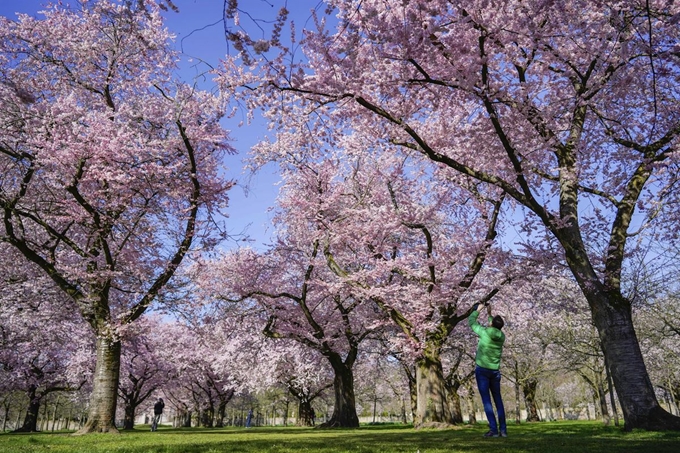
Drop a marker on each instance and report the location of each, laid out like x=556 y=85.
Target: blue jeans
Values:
x=489 y=385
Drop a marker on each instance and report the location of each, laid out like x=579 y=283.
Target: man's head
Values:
x=497 y=322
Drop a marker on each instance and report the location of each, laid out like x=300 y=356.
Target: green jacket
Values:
x=490 y=346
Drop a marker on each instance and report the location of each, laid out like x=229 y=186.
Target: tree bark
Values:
x=412 y=391
x=30 y=424
x=129 y=420
x=453 y=383
x=613 y=318
x=207 y=416
x=454 y=406
x=529 y=389
x=344 y=412
x=305 y=414
x=432 y=406
x=101 y=416
x=221 y=411
x=183 y=418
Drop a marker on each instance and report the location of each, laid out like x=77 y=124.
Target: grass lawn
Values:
x=549 y=437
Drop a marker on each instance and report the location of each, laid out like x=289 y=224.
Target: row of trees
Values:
x=568 y=110
x=210 y=370
x=435 y=154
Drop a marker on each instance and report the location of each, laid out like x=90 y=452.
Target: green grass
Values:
x=555 y=437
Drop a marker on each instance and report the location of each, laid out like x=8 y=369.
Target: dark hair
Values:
x=497 y=322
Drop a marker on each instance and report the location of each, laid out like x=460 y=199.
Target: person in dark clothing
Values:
x=157 y=413
x=249 y=418
x=487 y=370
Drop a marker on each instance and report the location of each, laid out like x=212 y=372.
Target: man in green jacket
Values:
x=487 y=371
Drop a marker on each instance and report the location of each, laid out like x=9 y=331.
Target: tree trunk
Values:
x=5 y=416
x=207 y=416
x=472 y=407
x=596 y=405
x=412 y=391
x=129 y=420
x=529 y=390
x=518 y=406
x=613 y=319
x=101 y=416
x=431 y=389
x=345 y=411
x=183 y=418
x=453 y=383
x=31 y=418
x=612 y=316
x=455 y=406
x=54 y=413
x=305 y=414
x=602 y=399
x=221 y=410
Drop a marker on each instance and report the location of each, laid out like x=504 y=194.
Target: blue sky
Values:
x=200 y=36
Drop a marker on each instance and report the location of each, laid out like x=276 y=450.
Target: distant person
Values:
x=312 y=415
x=487 y=371
x=157 y=413
x=249 y=418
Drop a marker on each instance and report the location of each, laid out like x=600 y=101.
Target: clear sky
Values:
x=200 y=36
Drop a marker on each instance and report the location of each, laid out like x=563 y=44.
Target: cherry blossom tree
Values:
x=570 y=108
x=36 y=357
x=109 y=165
x=419 y=255
x=143 y=371
x=291 y=289
x=198 y=385
x=297 y=306
x=257 y=363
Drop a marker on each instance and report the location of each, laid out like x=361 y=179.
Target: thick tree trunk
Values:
x=305 y=413
x=207 y=416
x=129 y=420
x=344 y=412
x=518 y=406
x=431 y=389
x=612 y=316
x=455 y=406
x=221 y=411
x=101 y=416
x=30 y=424
x=613 y=319
x=529 y=390
x=183 y=418
x=453 y=384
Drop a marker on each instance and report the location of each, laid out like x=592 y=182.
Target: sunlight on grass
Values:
x=556 y=437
